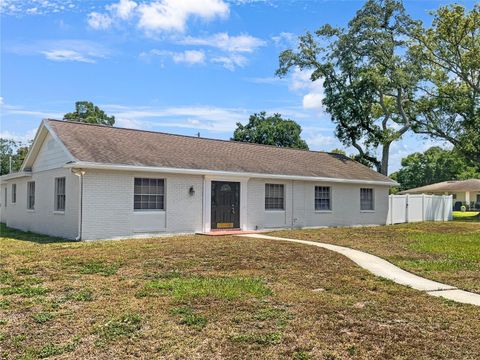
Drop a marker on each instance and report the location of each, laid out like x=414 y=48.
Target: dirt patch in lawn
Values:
x=195 y=297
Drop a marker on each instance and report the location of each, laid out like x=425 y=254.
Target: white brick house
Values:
x=83 y=181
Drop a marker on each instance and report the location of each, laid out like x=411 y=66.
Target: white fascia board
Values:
x=15 y=175
x=100 y=166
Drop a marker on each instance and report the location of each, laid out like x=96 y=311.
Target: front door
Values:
x=225 y=205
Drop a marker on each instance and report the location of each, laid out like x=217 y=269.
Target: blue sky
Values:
x=181 y=66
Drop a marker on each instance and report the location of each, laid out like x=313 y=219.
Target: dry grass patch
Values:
x=194 y=297
x=447 y=252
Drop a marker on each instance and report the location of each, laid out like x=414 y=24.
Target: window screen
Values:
x=366 y=199
x=322 y=198
x=60 y=194
x=149 y=194
x=31 y=195
x=274 y=197
x=14 y=193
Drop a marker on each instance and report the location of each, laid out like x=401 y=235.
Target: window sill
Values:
x=148 y=211
x=58 y=212
x=31 y=210
x=324 y=211
x=367 y=211
x=275 y=210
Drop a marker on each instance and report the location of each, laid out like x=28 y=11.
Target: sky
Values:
x=179 y=66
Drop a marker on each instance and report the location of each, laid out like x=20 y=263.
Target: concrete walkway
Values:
x=387 y=270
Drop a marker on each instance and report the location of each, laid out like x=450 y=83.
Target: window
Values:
x=149 y=194
x=14 y=193
x=60 y=194
x=366 y=199
x=323 y=198
x=274 y=197
x=31 y=195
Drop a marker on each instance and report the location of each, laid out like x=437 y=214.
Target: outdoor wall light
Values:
x=191 y=191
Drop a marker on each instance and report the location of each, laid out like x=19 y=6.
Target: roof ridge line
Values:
x=196 y=137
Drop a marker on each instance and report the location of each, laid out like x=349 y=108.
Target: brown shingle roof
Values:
x=463 y=185
x=113 y=145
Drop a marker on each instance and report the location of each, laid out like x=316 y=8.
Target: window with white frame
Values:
x=31 y=195
x=323 y=198
x=366 y=199
x=274 y=197
x=149 y=194
x=60 y=194
x=14 y=193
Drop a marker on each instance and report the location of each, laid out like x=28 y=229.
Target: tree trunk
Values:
x=385 y=158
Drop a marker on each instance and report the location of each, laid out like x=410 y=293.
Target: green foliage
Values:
x=87 y=112
x=367 y=78
x=448 y=106
x=270 y=130
x=386 y=74
x=433 y=166
x=14 y=149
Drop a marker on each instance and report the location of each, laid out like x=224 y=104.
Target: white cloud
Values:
x=285 y=40
x=66 y=55
x=123 y=9
x=63 y=50
x=301 y=82
x=211 y=118
x=35 y=7
x=159 y=15
x=230 y=62
x=23 y=138
x=99 y=21
x=172 y=15
x=225 y=42
x=189 y=57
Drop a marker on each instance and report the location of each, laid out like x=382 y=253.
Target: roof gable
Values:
x=119 y=146
x=39 y=145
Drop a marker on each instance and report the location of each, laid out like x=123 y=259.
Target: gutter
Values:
x=156 y=169
x=80 y=173
x=16 y=175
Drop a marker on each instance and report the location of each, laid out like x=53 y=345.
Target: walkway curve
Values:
x=387 y=270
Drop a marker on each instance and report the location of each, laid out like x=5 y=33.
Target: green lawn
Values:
x=197 y=297
x=448 y=252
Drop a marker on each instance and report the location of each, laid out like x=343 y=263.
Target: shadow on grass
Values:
x=6 y=232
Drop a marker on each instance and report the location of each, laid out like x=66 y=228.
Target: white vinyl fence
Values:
x=414 y=208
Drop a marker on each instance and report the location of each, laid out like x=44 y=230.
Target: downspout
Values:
x=80 y=173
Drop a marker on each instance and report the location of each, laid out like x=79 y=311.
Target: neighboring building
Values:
x=466 y=192
x=90 y=181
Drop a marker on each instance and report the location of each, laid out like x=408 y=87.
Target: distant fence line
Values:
x=415 y=208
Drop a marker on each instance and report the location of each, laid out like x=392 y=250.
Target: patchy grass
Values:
x=189 y=318
x=447 y=252
x=229 y=298
x=124 y=326
x=217 y=287
x=42 y=317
